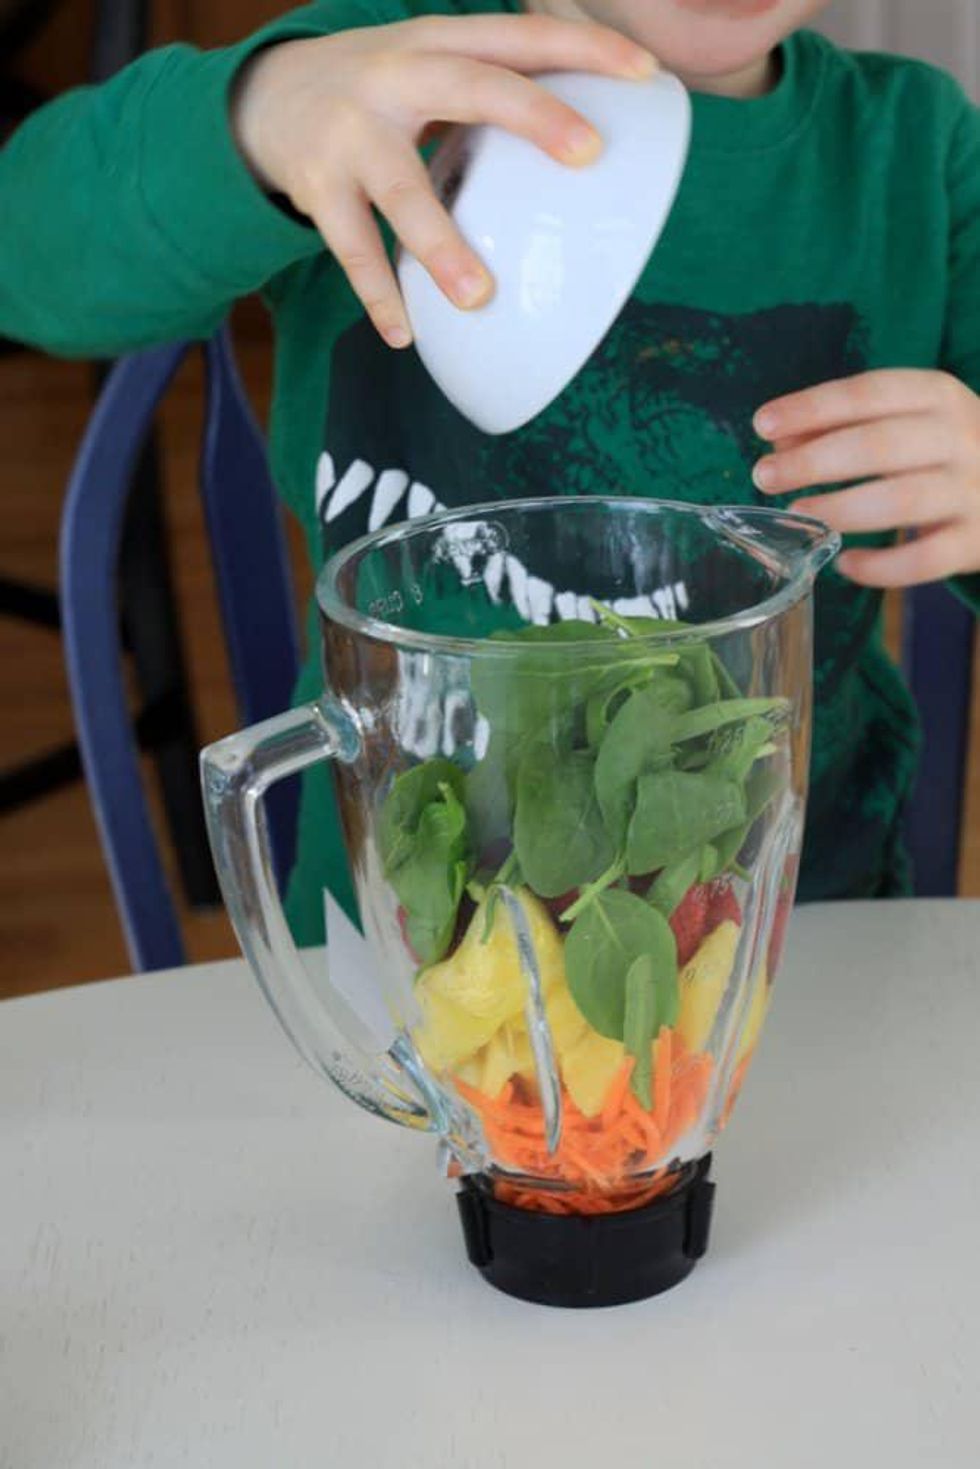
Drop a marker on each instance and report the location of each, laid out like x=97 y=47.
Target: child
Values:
x=811 y=317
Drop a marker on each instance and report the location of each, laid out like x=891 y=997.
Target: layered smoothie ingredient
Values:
x=619 y=789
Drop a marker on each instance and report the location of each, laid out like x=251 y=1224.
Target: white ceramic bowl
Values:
x=565 y=245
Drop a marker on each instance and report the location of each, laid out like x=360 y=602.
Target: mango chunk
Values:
x=703 y=982
x=466 y=998
x=589 y=1069
x=758 y=1010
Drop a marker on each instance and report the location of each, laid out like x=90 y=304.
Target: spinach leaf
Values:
x=727 y=686
x=763 y=784
x=698 y=667
x=591 y=890
x=431 y=879
x=604 y=705
x=639 y=735
x=640 y=1024
x=539 y=694
x=603 y=944
x=676 y=811
x=669 y=887
x=666 y=688
x=714 y=716
x=726 y=848
x=410 y=794
x=488 y=795
x=559 y=834
x=525 y=688
x=735 y=749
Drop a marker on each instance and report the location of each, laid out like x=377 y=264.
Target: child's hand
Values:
x=914 y=438
x=335 y=124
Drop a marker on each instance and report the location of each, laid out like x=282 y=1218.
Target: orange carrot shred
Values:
x=662 y=1077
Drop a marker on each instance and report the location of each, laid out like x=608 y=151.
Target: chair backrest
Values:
x=257 y=608
x=939 y=642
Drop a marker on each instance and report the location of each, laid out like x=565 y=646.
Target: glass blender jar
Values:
x=569 y=740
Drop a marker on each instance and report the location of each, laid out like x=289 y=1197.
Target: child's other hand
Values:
x=335 y=124
x=913 y=438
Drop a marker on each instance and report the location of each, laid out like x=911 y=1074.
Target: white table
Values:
x=208 y=1258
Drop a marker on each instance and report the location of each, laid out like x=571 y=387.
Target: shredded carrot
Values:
x=662 y=1077
x=617 y=1093
x=603 y=1164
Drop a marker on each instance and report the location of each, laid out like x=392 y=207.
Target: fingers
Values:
x=528 y=43
x=876 y=449
x=456 y=89
x=346 y=223
x=872 y=395
x=888 y=504
x=396 y=180
x=932 y=557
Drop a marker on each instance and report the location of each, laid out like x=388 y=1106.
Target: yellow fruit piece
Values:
x=448 y=1034
x=506 y=1054
x=703 y=982
x=567 y=1023
x=466 y=998
x=589 y=1068
x=758 y=1009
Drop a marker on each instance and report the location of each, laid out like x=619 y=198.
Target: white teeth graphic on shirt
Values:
x=392 y=484
x=533 y=597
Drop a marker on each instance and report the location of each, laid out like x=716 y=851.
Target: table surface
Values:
x=209 y=1258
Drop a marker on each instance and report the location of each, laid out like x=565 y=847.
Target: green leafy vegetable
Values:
x=425 y=853
x=669 y=887
x=559 y=834
x=591 y=890
x=700 y=669
x=410 y=794
x=677 y=810
x=640 y=734
x=620 y=758
x=488 y=795
x=711 y=717
x=602 y=945
x=640 y=1024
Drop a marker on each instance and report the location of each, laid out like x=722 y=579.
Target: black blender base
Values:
x=596 y=1260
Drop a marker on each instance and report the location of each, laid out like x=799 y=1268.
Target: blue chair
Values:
x=255 y=595
x=938 y=655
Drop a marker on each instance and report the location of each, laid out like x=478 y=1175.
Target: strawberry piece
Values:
x=689 y=921
x=557 y=906
x=784 y=907
x=723 y=906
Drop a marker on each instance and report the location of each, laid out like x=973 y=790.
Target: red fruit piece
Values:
x=701 y=910
x=723 y=906
x=689 y=921
x=784 y=907
x=557 y=906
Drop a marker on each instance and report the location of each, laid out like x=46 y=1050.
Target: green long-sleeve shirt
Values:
x=830 y=227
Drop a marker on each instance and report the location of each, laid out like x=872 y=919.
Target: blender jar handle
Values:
x=236 y=772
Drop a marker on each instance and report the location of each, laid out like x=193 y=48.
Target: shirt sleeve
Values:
x=129 y=217
x=961 y=346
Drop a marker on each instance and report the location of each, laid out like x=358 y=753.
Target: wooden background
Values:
x=57 y=919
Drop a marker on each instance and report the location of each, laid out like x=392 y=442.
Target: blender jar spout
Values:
x=794 y=547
